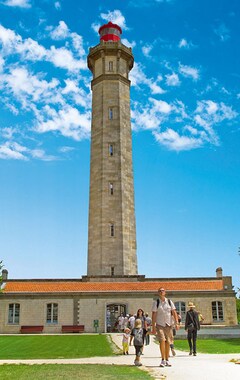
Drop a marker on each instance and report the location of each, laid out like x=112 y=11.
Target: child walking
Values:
x=125 y=340
x=138 y=334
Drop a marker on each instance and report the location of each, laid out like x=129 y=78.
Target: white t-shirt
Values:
x=164 y=315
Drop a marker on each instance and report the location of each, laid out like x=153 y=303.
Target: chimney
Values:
x=4 y=275
x=219 y=272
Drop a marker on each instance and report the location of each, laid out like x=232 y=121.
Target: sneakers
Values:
x=137 y=363
x=173 y=352
x=194 y=354
x=190 y=353
x=165 y=363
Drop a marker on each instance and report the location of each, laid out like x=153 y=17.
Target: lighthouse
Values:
x=112 y=225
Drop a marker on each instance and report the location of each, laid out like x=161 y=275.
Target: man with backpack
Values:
x=163 y=312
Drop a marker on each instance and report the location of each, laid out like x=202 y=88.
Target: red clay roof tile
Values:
x=101 y=287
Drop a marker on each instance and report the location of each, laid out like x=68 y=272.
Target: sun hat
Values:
x=191 y=304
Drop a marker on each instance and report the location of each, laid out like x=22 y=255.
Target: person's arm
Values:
x=175 y=317
x=145 y=324
x=154 y=317
x=186 y=321
x=197 y=321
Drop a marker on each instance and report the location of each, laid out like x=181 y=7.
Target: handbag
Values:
x=191 y=327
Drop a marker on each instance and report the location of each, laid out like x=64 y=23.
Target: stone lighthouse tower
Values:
x=112 y=227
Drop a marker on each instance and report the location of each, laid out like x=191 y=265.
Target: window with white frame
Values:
x=52 y=313
x=217 y=311
x=14 y=313
x=181 y=309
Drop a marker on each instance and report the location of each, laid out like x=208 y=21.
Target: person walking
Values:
x=140 y=315
x=149 y=324
x=163 y=310
x=125 y=340
x=131 y=321
x=120 y=323
x=138 y=334
x=174 y=333
x=192 y=325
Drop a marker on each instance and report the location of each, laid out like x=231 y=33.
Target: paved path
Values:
x=201 y=367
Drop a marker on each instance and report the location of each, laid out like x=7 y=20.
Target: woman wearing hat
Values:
x=192 y=325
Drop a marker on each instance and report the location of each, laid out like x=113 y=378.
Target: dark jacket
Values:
x=192 y=317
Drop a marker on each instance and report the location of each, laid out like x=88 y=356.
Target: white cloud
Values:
x=173 y=141
x=31 y=50
x=60 y=32
x=1 y=64
x=189 y=71
x=215 y=112
x=28 y=88
x=128 y=43
x=58 y=5
x=66 y=149
x=68 y=121
x=184 y=44
x=64 y=59
x=9 y=38
x=18 y=3
x=41 y=155
x=95 y=27
x=222 y=32
x=116 y=17
x=11 y=150
x=146 y=50
x=8 y=132
x=161 y=106
x=172 y=80
x=138 y=77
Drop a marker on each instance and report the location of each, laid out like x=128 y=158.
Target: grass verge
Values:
x=54 y=346
x=72 y=372
x=212 y=346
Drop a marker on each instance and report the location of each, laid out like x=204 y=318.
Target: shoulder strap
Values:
x=169 y=302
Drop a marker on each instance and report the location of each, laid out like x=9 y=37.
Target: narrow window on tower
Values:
x=112 y=230
x=110 y=113
x=110 y=66
x=112 y=271
x=110 y=149
x=110 y=188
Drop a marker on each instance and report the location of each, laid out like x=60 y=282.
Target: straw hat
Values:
x=191 y=305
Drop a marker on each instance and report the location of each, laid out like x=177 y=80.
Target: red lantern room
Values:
x=110 y=32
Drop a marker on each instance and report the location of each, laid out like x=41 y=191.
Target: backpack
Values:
x=138 y=337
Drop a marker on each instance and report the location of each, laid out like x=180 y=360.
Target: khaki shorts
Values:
x=164 y=333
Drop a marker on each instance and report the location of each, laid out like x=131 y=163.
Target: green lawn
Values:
x=54 y=346
x=72 y=372
x=212 y=346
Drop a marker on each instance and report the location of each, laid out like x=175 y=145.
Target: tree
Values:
x=238 y=310
x=1 y=267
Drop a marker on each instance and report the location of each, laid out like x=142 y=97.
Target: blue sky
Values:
x=185 y=98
